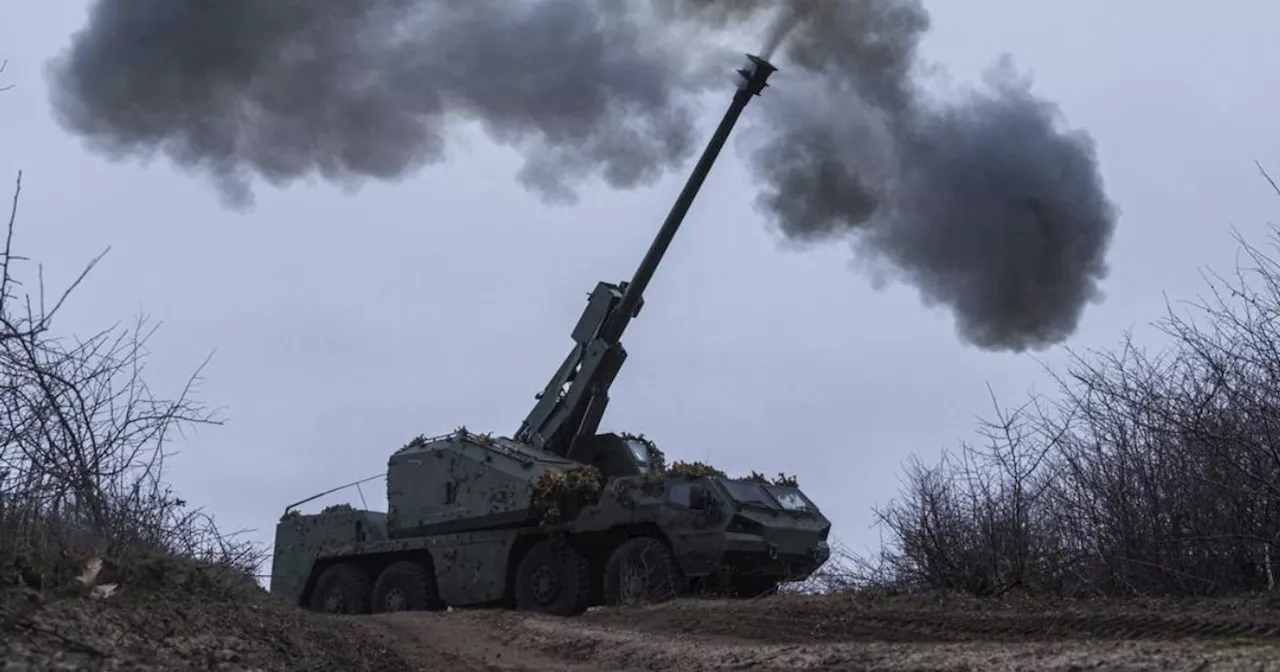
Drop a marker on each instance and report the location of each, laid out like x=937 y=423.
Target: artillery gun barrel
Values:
x=754 y=78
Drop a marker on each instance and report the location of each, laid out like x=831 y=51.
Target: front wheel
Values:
x=553 y=578
x=641 y=570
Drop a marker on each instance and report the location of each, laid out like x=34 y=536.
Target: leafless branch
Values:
x=1146 y=473
x=83 y=440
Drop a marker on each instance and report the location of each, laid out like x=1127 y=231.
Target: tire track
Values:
x=781 y=622
x=506 y=641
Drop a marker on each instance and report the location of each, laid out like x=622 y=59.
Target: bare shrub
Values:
x=82 y=443
x=1147 y=473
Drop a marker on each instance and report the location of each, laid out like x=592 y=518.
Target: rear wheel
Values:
x=406 y=585
x=553 y=578
x=341 y=589
x=641 y=570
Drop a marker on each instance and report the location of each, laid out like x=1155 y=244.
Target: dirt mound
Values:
x=159 y=613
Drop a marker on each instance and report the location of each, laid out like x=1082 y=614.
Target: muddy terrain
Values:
x=166 y=616
x=794 y=633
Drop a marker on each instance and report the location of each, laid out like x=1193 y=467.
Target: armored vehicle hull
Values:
x=478 y=521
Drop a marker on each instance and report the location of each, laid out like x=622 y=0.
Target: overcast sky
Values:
x=346 y=323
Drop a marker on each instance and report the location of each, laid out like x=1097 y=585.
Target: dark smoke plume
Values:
x=353 y=90
x=984 y=204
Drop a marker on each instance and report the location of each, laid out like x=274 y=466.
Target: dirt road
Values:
x=174 y=617
x=833 y=634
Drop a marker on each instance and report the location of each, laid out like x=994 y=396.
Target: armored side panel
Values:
x=471 y=568
x=464 y=483
x=300 y=540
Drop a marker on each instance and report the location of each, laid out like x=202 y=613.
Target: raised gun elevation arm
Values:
x=573 y=402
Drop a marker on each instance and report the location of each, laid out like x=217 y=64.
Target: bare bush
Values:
x=83 y=439
x=1147 y=473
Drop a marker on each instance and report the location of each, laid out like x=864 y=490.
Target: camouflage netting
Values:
x=694 y=470
x=559 y=494
x=781 y=480
x=464 y=433
x=418 y=441
x=332 y=508
x=335 y=508
x=704 y=470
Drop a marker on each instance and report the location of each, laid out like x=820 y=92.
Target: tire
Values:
x=406 y=585
x=553 y=578
x=341 y=589
x=641 y=570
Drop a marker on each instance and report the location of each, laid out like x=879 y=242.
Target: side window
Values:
x=679 y=494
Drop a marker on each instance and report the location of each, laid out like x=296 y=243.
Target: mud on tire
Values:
x=406 y=585
x=553 y=578
x=342 y=588
x=641 y=570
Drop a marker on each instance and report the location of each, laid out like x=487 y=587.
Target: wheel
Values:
x=641 y=570
x=341 y=589
x=553 y=578
x=406 y=586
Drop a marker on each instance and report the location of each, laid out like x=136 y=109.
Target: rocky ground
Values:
x=163 y=615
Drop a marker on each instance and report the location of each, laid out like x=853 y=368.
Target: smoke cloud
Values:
x=985 y=204
x=366 y=90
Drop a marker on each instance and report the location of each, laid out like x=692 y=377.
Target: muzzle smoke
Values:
x=984 y=204
x=352 y=91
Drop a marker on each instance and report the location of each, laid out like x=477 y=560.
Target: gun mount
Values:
x=558 y=517
x=571 y=406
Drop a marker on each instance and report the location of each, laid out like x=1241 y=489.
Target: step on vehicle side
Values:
x=559 y=517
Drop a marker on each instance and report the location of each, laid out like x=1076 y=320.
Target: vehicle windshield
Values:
x=748 y=492
x=640 y=451
x=791 y=499
x=680 y=493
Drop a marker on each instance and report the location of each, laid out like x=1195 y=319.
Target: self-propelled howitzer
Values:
x=558 y=517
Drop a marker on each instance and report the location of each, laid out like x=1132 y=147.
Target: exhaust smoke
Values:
x=984 y=204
